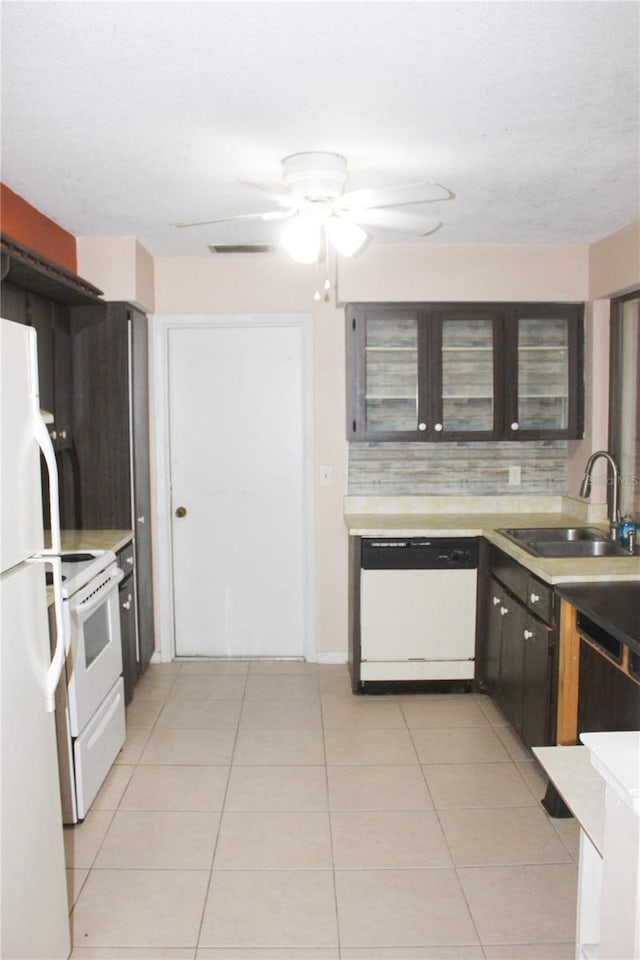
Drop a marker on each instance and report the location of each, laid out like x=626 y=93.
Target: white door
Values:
x=237 y=435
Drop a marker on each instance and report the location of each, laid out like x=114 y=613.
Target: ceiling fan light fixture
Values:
x=301 y=238
x=315 y=174
x=347 y=237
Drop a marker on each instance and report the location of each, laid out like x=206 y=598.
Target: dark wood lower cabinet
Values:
x=512 y=675
x=128 y=627
x=539 y=689
x=488 y=647
x=608 y=699
x=516 y=648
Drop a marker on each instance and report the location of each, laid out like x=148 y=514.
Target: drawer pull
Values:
x=534 y=598
x=528 y=634
x=504 y=611
x=496 y=601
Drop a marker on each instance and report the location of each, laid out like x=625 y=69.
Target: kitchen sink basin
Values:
x=554 y=534
x=579 y=548
x=565 y=542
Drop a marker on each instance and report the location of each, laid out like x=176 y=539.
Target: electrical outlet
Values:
x=515 y=474
x=326 y=476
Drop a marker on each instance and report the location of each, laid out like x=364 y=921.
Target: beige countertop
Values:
x=482 y=517
x=95 y=539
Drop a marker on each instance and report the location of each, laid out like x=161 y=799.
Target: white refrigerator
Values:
x=34 y=912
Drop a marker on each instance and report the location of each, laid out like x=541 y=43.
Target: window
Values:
x=624 y=425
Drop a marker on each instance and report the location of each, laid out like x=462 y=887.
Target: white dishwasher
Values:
x=418 y=608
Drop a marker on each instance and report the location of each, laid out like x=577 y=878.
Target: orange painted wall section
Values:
x=26 y=225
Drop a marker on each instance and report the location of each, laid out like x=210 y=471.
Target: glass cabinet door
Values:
x=543 y=374
x=467 y=371
x=391 y=373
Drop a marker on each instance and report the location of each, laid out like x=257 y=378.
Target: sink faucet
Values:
x=612 y=489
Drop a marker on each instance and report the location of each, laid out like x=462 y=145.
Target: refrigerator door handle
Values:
x=54 y=671
x=45 y=444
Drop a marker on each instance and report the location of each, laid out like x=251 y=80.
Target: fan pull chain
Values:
x=327 y=284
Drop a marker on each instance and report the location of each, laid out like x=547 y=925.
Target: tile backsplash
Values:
x=442 y=469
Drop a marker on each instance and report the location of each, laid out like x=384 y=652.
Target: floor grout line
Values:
x=330 y=810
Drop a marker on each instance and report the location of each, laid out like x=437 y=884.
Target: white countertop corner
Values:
x=616 y=757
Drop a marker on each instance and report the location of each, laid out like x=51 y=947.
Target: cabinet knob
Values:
x=126 y=605
x=496 y=601
x=140 y=519
x=528 y=634
x=63 y=434
x=54 y=435
x=515 y=425
x=504 y=611
x=437 y=427
x=422 y=426
x=130 y=561
x=534 y=598
x=181 y=512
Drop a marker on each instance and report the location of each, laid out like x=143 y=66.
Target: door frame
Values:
x=160 y=326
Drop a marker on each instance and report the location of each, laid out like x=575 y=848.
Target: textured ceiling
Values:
x=121 y=118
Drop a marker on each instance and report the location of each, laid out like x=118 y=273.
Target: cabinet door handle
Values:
x=140 y=519
x=515 y=425
x=130 y=561
x=496 y=601
x=528 y=634
x=437 y=427
x=422 y=426
x=127 y=604
x=504 y=611
x=63 y=434
x=534 y=598
x=181 y=512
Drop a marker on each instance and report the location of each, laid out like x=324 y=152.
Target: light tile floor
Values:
x=260 y=811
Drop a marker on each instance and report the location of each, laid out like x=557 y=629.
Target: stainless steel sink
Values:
x=554 y=534
x=579 y=548
x=563 y=542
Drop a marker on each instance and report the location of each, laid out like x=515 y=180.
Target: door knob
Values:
x=181 y=512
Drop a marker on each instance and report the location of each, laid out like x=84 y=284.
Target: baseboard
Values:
x=331 y=657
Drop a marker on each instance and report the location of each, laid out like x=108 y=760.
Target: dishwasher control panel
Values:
x=419 y=553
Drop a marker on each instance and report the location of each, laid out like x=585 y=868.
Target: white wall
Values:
x=465 y=272
x=120 y=267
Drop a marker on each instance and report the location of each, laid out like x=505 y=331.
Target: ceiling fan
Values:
x=311 y=198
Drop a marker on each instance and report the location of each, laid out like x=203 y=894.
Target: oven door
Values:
x=94 y=662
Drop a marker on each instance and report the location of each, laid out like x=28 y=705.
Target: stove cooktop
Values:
x=78 y=568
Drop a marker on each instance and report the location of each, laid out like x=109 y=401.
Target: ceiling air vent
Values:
x=241 y=248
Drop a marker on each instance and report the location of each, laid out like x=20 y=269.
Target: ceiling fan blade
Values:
x=268 y=215
x=394 y=220
x=395 y=196
x=273 y=191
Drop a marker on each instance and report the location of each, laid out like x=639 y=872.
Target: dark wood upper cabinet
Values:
x=544 y=372
x=436 y=372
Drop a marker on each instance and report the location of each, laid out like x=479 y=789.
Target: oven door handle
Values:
x=86 y=608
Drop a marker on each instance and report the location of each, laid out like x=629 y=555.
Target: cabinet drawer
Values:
x=540 y=599
x=125 y=559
